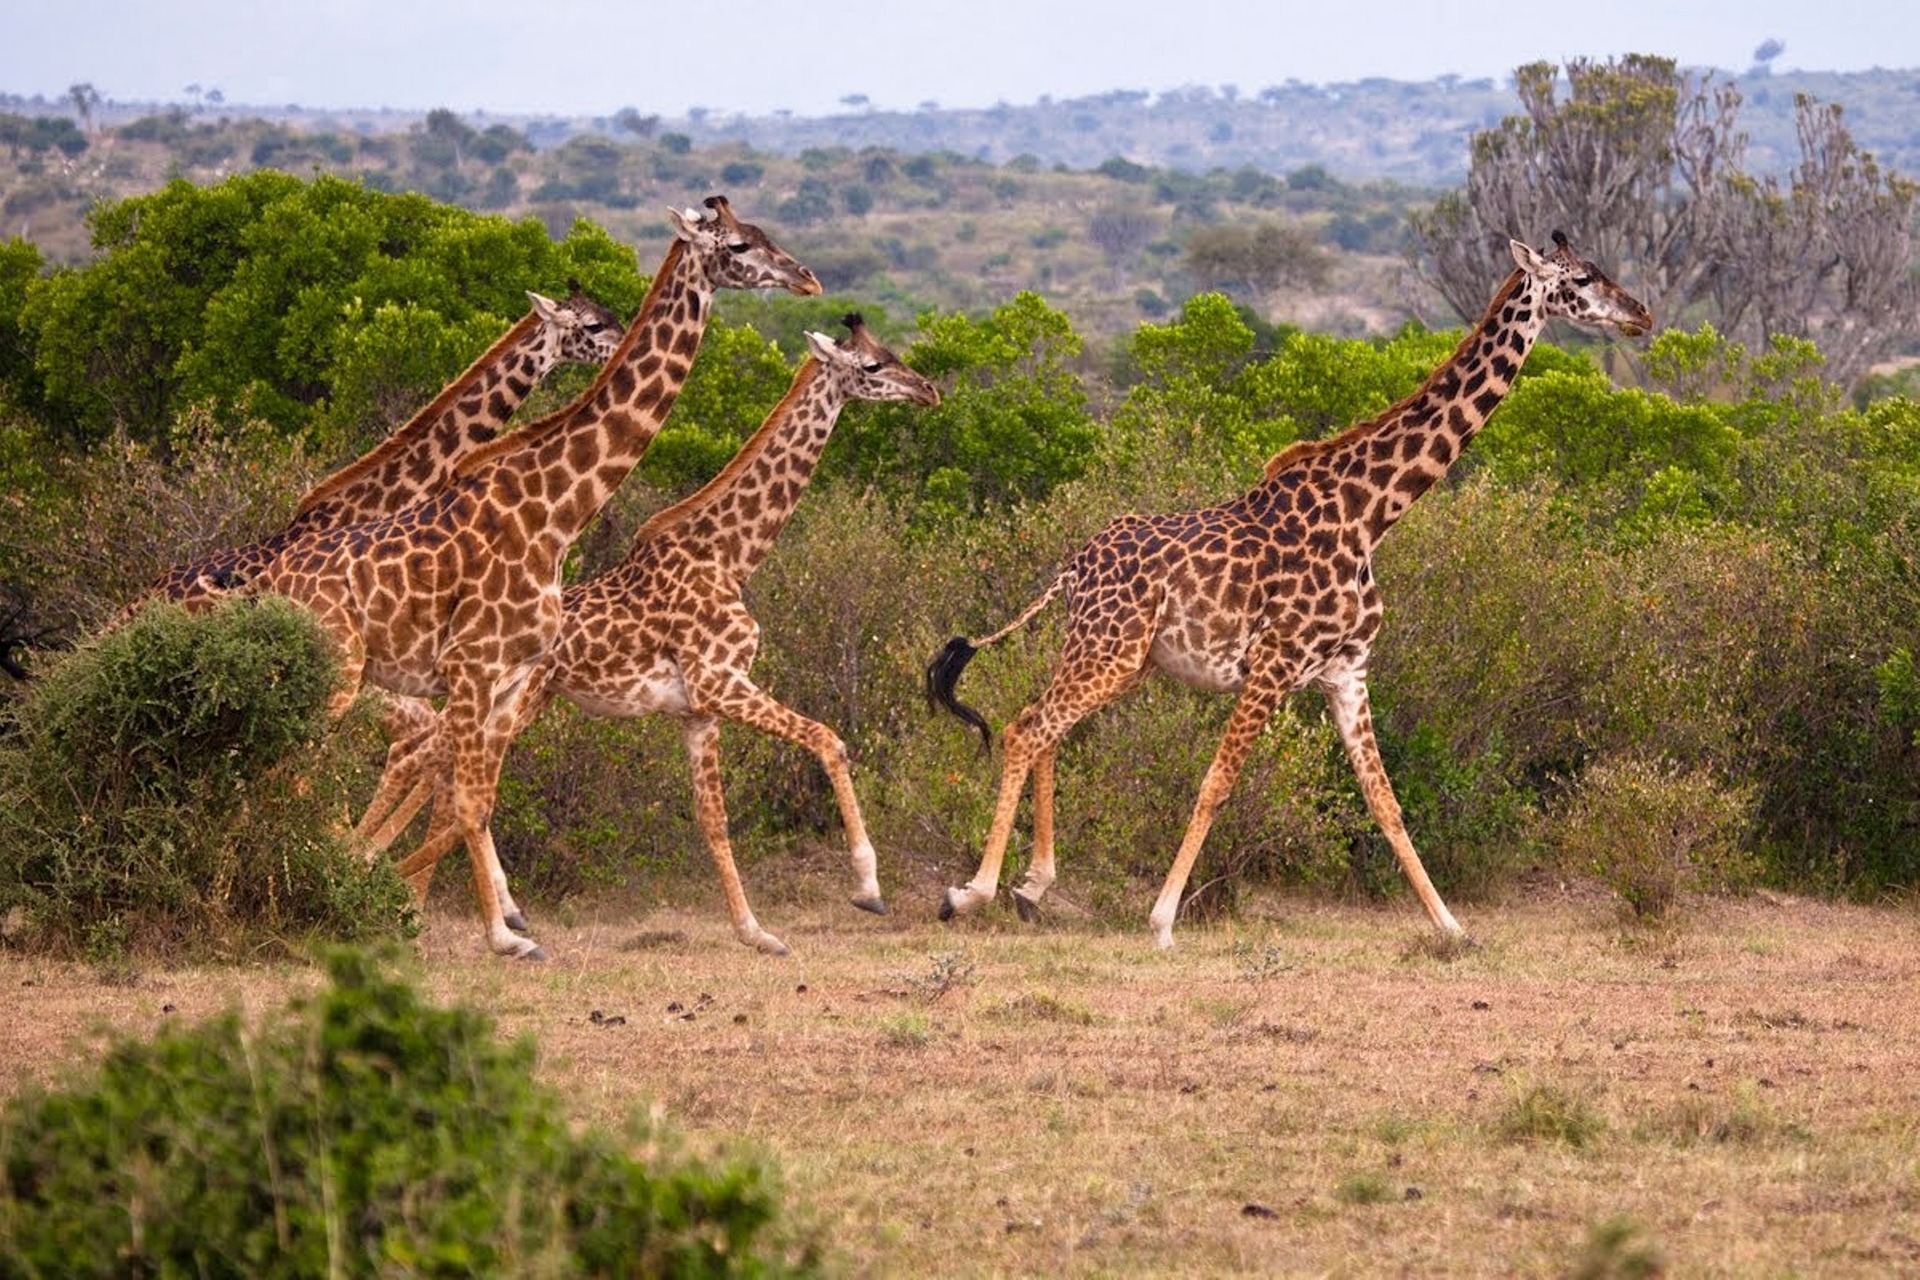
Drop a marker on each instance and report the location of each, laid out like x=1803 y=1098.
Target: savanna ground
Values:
x=1310 y=1089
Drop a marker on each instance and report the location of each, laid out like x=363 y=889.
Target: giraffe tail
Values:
x=944 y=671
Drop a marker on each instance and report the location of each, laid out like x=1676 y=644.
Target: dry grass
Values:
x=1305 y=1092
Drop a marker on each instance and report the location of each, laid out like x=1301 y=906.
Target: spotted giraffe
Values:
x=666 y=630
x=459 y=593
x=420 y=455
x=1269 y=592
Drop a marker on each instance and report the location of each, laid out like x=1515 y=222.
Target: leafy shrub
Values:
x=167 y=790
x=358 y=1133
x=1652 y=833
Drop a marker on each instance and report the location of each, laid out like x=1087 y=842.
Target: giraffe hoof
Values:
x=516 y=922
x=536 y=953
x=876 y=905
x=946 y=906
x=1029 y=908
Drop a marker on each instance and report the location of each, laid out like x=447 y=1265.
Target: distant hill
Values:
x=1405 y=131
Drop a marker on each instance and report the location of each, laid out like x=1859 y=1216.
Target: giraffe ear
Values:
x=825 y=348
x=685 y=222
x=1528 y=260
x=546 y=307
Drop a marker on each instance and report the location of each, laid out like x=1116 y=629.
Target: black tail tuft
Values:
x=943 y=673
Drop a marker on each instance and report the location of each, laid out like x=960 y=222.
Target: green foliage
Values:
x=1013 y=421
x=251 y=293
x=738 y=379
x=357 y=1133
x=20 y=266
x=1619 y=1249
x=165 y=792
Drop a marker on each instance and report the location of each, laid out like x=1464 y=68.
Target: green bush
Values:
x=1652 y=833
x=172 y=787
x=358 y=1133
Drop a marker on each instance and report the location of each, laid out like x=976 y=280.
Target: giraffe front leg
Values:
x=479 y=737
x=1039 y=877
x=702 y=737
x=1346 y=692
x=1265 y=684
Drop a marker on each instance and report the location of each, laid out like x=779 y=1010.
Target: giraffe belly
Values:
x=656 y=687
x=1216 y=668
x=398 y=678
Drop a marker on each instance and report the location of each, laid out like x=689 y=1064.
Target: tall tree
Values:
x=1645 y=165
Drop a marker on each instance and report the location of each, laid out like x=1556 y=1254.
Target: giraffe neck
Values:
x=734 y=519
x=1375 y=470
x=420 y=456
x=561 y=470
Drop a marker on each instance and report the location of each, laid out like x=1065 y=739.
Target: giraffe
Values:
x=666 y=630
x=458 y=594
x=1269 y=592
x=420 y=455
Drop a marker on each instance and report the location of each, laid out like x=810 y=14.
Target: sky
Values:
x=755 y=57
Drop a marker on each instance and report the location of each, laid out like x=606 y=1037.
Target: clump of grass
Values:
x=1041 y=1006
x=1746 y=1119
x=1363 y=1187
x=1618 y=1249
x=1438 y=945
x=909 y=1030
x=1548 y=1113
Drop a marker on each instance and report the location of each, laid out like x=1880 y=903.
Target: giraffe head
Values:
x=739 y=255
x=865 y=370
x=577 y=329
x=1580 y=291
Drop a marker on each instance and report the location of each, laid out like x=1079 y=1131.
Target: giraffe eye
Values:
x=739 y=248
x=875 y=367
x=1583 y=281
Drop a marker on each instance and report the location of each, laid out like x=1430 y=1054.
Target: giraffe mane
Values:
x=661 y=521
x=400 y=440
x=537 y=432
x=1300 y=450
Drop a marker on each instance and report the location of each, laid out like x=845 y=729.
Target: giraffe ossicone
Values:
x=1268 y=592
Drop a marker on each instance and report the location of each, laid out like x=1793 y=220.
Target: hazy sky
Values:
x=576 y=57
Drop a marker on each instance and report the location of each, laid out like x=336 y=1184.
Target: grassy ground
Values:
x=1311 y=1090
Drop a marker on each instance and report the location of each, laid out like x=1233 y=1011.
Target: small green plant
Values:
x=358 y=1133
x=1258 y=964
x=908 y=1030
x=1547 y=1113
x=1619 y=1249
x=1363 y=1188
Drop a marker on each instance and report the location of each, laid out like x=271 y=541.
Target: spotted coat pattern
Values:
x=666 y=631
x=1271 y=591
x=420 y=455
x=459 y=593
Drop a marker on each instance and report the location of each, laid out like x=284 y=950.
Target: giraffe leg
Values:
x=1039 y=878
x=1346 y=692
x=702 y=736
x=1092 y=671
x=1266 y=682
x=479 y=722
x=733 y=695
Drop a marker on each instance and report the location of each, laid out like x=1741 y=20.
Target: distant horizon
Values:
x=581 y=58
x=62 y=100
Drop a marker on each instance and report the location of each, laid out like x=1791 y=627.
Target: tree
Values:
x=1643 y=166
x=85 y=99
x=1121 y=231
x=1256 y=260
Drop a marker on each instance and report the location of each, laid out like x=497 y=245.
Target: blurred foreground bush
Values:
x=359 y=1133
